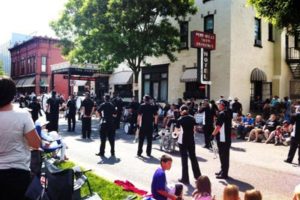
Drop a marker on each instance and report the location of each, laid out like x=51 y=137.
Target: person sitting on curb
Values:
x=203 y=189
x=257 y=130
x=159 y=188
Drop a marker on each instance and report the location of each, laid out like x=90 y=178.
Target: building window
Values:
x=155 y=82
x=184 y=35
x=194 y=90
x=257 y=32
x=271 y=32
x=124 y=90
x=297 y=40
x=44 y=64
x=209 y=24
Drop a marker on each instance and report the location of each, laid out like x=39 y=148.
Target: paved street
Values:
x=252 y=165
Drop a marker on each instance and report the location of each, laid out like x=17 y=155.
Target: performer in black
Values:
x=87 y=109
x=134 y=106
x=35 y=107
x=52 y=110
x=295 y=139
x=118 y=103
x=147 y=114
x=186 y=126
x=223 y=135
x=71 y=113
x=208 y=122
x=107 y=113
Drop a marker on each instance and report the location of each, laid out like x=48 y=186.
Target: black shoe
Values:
x=99 y=154
x=221 y=176
x=139 y=155
x=287 y=161
x=186 y=182
x=218 y=173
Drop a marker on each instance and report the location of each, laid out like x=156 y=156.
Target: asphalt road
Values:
x=252 y=165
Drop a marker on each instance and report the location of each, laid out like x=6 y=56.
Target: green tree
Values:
x=282 y=13
x=108 y=32
x=1 y=68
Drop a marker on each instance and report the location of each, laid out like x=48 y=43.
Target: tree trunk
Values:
x=135 y=84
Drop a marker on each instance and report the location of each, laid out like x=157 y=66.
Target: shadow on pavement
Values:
x=243 y=186
x=150 y=160
x=109 y=160
x=238 y=149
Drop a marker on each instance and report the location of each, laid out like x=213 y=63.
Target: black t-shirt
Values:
x=54 y=103
x=106 y=111
x=187 y=122
x=209 y=116
x=71 y=106
x=35 y=109
x=224 y=121
x=296 y=120
x=148 y=112
x=88 y=105
x=236 y=107
x=271 y=125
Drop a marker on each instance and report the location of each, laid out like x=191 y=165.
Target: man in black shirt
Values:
x=134 y=106
x=208 y=122
x=118 y=103
x=237 y=106
x=295 y=139
x=107 y=113
x=53 y=105
x=223 y=135
x=35 y=107
x=87 y=109
x=71 y=113
x=147 y=114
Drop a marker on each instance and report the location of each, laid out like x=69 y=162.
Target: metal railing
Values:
x=292 y=54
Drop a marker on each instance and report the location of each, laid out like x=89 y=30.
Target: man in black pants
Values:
x=71 y=105
x=147 y=114
x=223 y=133
x=208 y=122
x=295 y=139
x=107 y=113
x=87 y=109
x=186 y=126
x=52 y=110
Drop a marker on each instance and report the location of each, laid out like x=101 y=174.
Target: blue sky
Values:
x=28 y=17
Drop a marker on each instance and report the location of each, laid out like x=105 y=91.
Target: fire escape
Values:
x=293 y=57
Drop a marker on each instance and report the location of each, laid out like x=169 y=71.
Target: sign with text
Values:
x=203 y=40
x=82 y=78
x=206 y=65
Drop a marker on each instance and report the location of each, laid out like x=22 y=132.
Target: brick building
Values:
x=30 y=66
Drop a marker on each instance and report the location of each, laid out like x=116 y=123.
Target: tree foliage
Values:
x=108 y=32
x=282 y=13
x=1 y=68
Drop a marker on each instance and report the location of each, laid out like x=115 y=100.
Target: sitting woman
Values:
x=51 y=141
x=257 y=130
x=270 y=126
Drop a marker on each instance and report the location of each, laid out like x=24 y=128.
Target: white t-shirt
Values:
x=14 y=150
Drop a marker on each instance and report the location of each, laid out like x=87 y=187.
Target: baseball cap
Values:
x=223 y=102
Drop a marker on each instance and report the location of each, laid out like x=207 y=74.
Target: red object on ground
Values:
x=128 y=186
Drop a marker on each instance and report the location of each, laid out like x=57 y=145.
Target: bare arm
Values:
x=33 y=139
x=216 y=131
x=139 y=120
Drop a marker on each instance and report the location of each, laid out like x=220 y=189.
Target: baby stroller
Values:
x=58 y=184
x=168 y=138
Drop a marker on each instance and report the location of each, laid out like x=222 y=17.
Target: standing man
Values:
x=35 y=107
x=71 y=105
x=87 y=109
x=295 y=139
x=208 y=122
x=107 y=113
x=118 y=103
x=52 y=108
x=147 y=114
x=186 y=127
x=236 y=107
x=223 y=135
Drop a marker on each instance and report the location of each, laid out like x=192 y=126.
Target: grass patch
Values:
x=105 y=189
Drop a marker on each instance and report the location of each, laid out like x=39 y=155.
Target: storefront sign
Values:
x=83 y=78
x=203 y=40
x=206 y=65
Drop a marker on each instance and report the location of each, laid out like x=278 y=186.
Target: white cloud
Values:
x=28 y=17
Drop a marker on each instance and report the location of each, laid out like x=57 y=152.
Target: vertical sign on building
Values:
x=206 y=65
